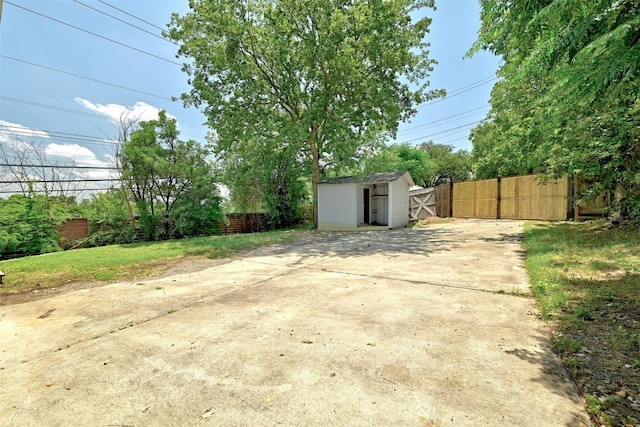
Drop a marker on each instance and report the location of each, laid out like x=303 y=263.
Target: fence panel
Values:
x=598 y=206
x=527 y=197
x=244 y=223
x=73 y=229
x=422 y=204
x=476 y=199
x=442 y=195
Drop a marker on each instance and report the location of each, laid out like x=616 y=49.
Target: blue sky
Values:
x=74 y=117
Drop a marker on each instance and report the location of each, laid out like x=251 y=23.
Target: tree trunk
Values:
x=315 y=177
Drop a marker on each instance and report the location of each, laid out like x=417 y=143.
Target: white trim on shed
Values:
x=379 y=200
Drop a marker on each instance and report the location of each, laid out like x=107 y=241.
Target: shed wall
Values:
x=337 y=204
x=398 y=203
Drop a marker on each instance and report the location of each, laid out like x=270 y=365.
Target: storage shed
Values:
x=380 y=200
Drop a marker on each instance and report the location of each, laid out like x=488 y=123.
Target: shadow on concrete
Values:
x=552 y=375
x=354 y=244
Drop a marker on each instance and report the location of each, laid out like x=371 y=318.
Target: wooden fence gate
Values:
x=422 y=204
x=518 y=197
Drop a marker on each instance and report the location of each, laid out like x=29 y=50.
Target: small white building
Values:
x=380 y=200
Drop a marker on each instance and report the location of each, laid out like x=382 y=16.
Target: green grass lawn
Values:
x=573 y=265
x=122 y=262
x=586 y=278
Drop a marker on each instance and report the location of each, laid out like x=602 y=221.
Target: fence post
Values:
x=499 y=197
x=450 y=213
x=574 y=185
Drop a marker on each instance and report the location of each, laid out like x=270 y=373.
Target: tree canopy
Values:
x=569 y=99
x=169 y=179
x=451 y=165
x=403 y=157
x=319 y=79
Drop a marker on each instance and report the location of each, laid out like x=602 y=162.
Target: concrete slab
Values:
x=343 y=329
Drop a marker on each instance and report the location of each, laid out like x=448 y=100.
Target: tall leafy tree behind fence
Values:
x=569 y=101
x=172 y=182
x=323 y=78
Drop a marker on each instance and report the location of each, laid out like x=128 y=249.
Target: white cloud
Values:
x=140 y=111
x=73 y=152
x=11 y=132
x=67 y=154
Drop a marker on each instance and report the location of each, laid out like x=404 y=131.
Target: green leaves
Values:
x=568 y=102
x=403 y=157
x=161 y=172
x=322 y=77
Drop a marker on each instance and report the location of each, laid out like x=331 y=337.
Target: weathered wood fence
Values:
x=73 y=229
x=518 y=197
x=422 y=204
x=78 y=228
x=244 y=223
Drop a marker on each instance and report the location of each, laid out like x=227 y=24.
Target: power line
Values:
x=133 y=16
x=18 y=165
x=86 y=78
x=95 y=34
x=64 y=136
x=440 y=133
x=454 y=42
x=456 y=140
x=445 y=119
x=461 y=90
x=53 y=107
x=89 y=140
x=124 y=22
x=68 y=190
x=58 y=181
x=24 y=131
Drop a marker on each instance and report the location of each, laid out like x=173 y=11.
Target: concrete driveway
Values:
x=416 y=327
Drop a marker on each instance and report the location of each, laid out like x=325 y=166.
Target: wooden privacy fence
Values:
x=78 y=228
x=518 y=197
x=73 y=229
x=525 y=197
x=244 y=223
x=476 y=199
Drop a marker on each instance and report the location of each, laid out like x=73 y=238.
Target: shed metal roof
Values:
x=375 y=178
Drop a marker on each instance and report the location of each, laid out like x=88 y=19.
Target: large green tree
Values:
x=162 y=173
x=265 y=177
x=451 y=165
x=321 y=77
x=569 y=99
x=403 y=157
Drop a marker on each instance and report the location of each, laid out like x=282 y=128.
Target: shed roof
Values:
x=374 y=178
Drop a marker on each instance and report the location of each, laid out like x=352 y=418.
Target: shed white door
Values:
x=382 y=210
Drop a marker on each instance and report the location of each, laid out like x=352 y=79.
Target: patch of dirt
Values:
x=606 y=368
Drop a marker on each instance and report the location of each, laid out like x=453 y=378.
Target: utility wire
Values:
x=454 y=42
x=68 y=190
x=466 y=125
x=461 y=90
x=94 y=34
x=55 y=181
x=18 y=165
x=24 y=131
x=86 y=78
x=53 y=107
x=64 y=136
x=445 y=119
x=456 y=140
x=125 y=22
x=133 y=16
